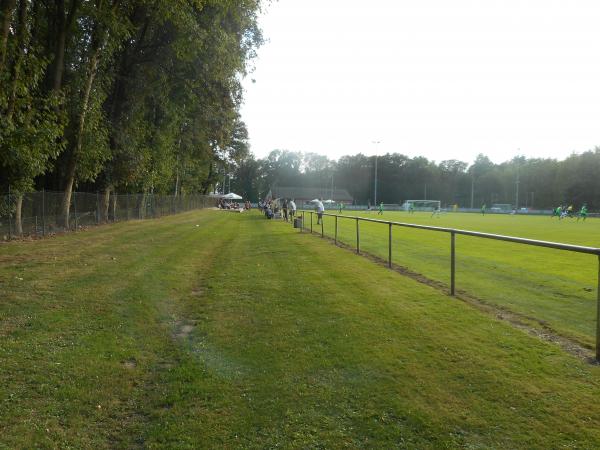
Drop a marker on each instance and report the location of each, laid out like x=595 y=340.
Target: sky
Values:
x=435 y=78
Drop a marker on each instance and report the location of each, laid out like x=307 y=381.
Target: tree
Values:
x=29 y=122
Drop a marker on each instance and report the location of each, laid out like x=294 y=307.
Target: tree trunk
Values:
x=114 y=206
x=66 y=201
x=63 y=24
x=16 y=70
x=206 y=183
x=104 y=204
x=75 y=152
x=18 y=210
x=142 y=205
x=8 y=7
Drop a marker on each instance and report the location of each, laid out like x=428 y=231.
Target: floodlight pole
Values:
x=517 y=191
x=375 y=190
x=472 y=190
x=376 y=152
x=517 y=187
x=331 y=186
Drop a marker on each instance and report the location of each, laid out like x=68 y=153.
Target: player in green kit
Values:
x=582 y=213
x=380 y=209
x=483 y=207
x=557 y=212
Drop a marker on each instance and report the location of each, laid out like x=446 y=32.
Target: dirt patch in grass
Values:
x=183 y=329
x=130 y=363
x=530 y=325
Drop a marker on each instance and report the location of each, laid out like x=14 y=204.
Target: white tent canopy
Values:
x=232 y=196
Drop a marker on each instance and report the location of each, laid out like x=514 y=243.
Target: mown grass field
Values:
x=214 y=330
x=553 y=286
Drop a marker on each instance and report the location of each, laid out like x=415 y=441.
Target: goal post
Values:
x=421 y=205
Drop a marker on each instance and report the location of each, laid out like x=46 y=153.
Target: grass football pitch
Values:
x=554 y=287
x=217 y=330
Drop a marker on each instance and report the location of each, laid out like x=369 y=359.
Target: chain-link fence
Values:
x=40 y=213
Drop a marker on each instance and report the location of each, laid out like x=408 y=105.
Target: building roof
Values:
x=302 y=193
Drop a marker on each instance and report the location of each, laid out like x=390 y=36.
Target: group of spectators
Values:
x=224 y=204
x=284 y=208
x=269 y=208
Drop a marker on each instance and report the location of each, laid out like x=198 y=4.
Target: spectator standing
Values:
x=284 y=206
x=320 y=209
x=292 y=207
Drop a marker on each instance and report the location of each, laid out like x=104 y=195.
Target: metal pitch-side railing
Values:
x=453 y=232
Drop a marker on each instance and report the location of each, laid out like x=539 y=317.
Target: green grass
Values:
x=556 y=287
x=244 y=333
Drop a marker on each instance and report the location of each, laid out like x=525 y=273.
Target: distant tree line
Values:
x=127 y=95
x=542 y=183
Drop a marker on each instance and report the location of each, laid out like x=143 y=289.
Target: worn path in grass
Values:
x=242 y=333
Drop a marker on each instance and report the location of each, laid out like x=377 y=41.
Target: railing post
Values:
x=390 y=246
x=452 y=262
x=598 y=314
x=357 y=237
x=97 y=207
x=336 y=230
x=311 y=214
x=302 y=224
x=322 y=227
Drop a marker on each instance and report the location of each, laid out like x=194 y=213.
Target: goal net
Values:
x=501 y=207
x=421 y=205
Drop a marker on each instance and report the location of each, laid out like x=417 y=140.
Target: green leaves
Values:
x=139 y=94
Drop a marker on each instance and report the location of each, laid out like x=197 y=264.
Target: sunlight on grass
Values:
x=245 y=333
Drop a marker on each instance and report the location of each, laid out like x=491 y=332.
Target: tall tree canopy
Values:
x=134 y=95
x=543 y=183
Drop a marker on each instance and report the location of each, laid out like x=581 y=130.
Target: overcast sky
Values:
x=438 y=78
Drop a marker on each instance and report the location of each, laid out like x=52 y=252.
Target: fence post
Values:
x=336 y=230
x=97 y=208
x=390 y=246
x=357 y=238
x=452 y=262
x=322 y=228
x=36 y=226
x=302 y=224
x=311 y=222
x=43 y=212
x=598 y=315
x=9 y=215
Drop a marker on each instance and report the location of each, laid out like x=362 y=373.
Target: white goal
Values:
x=421 y=205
